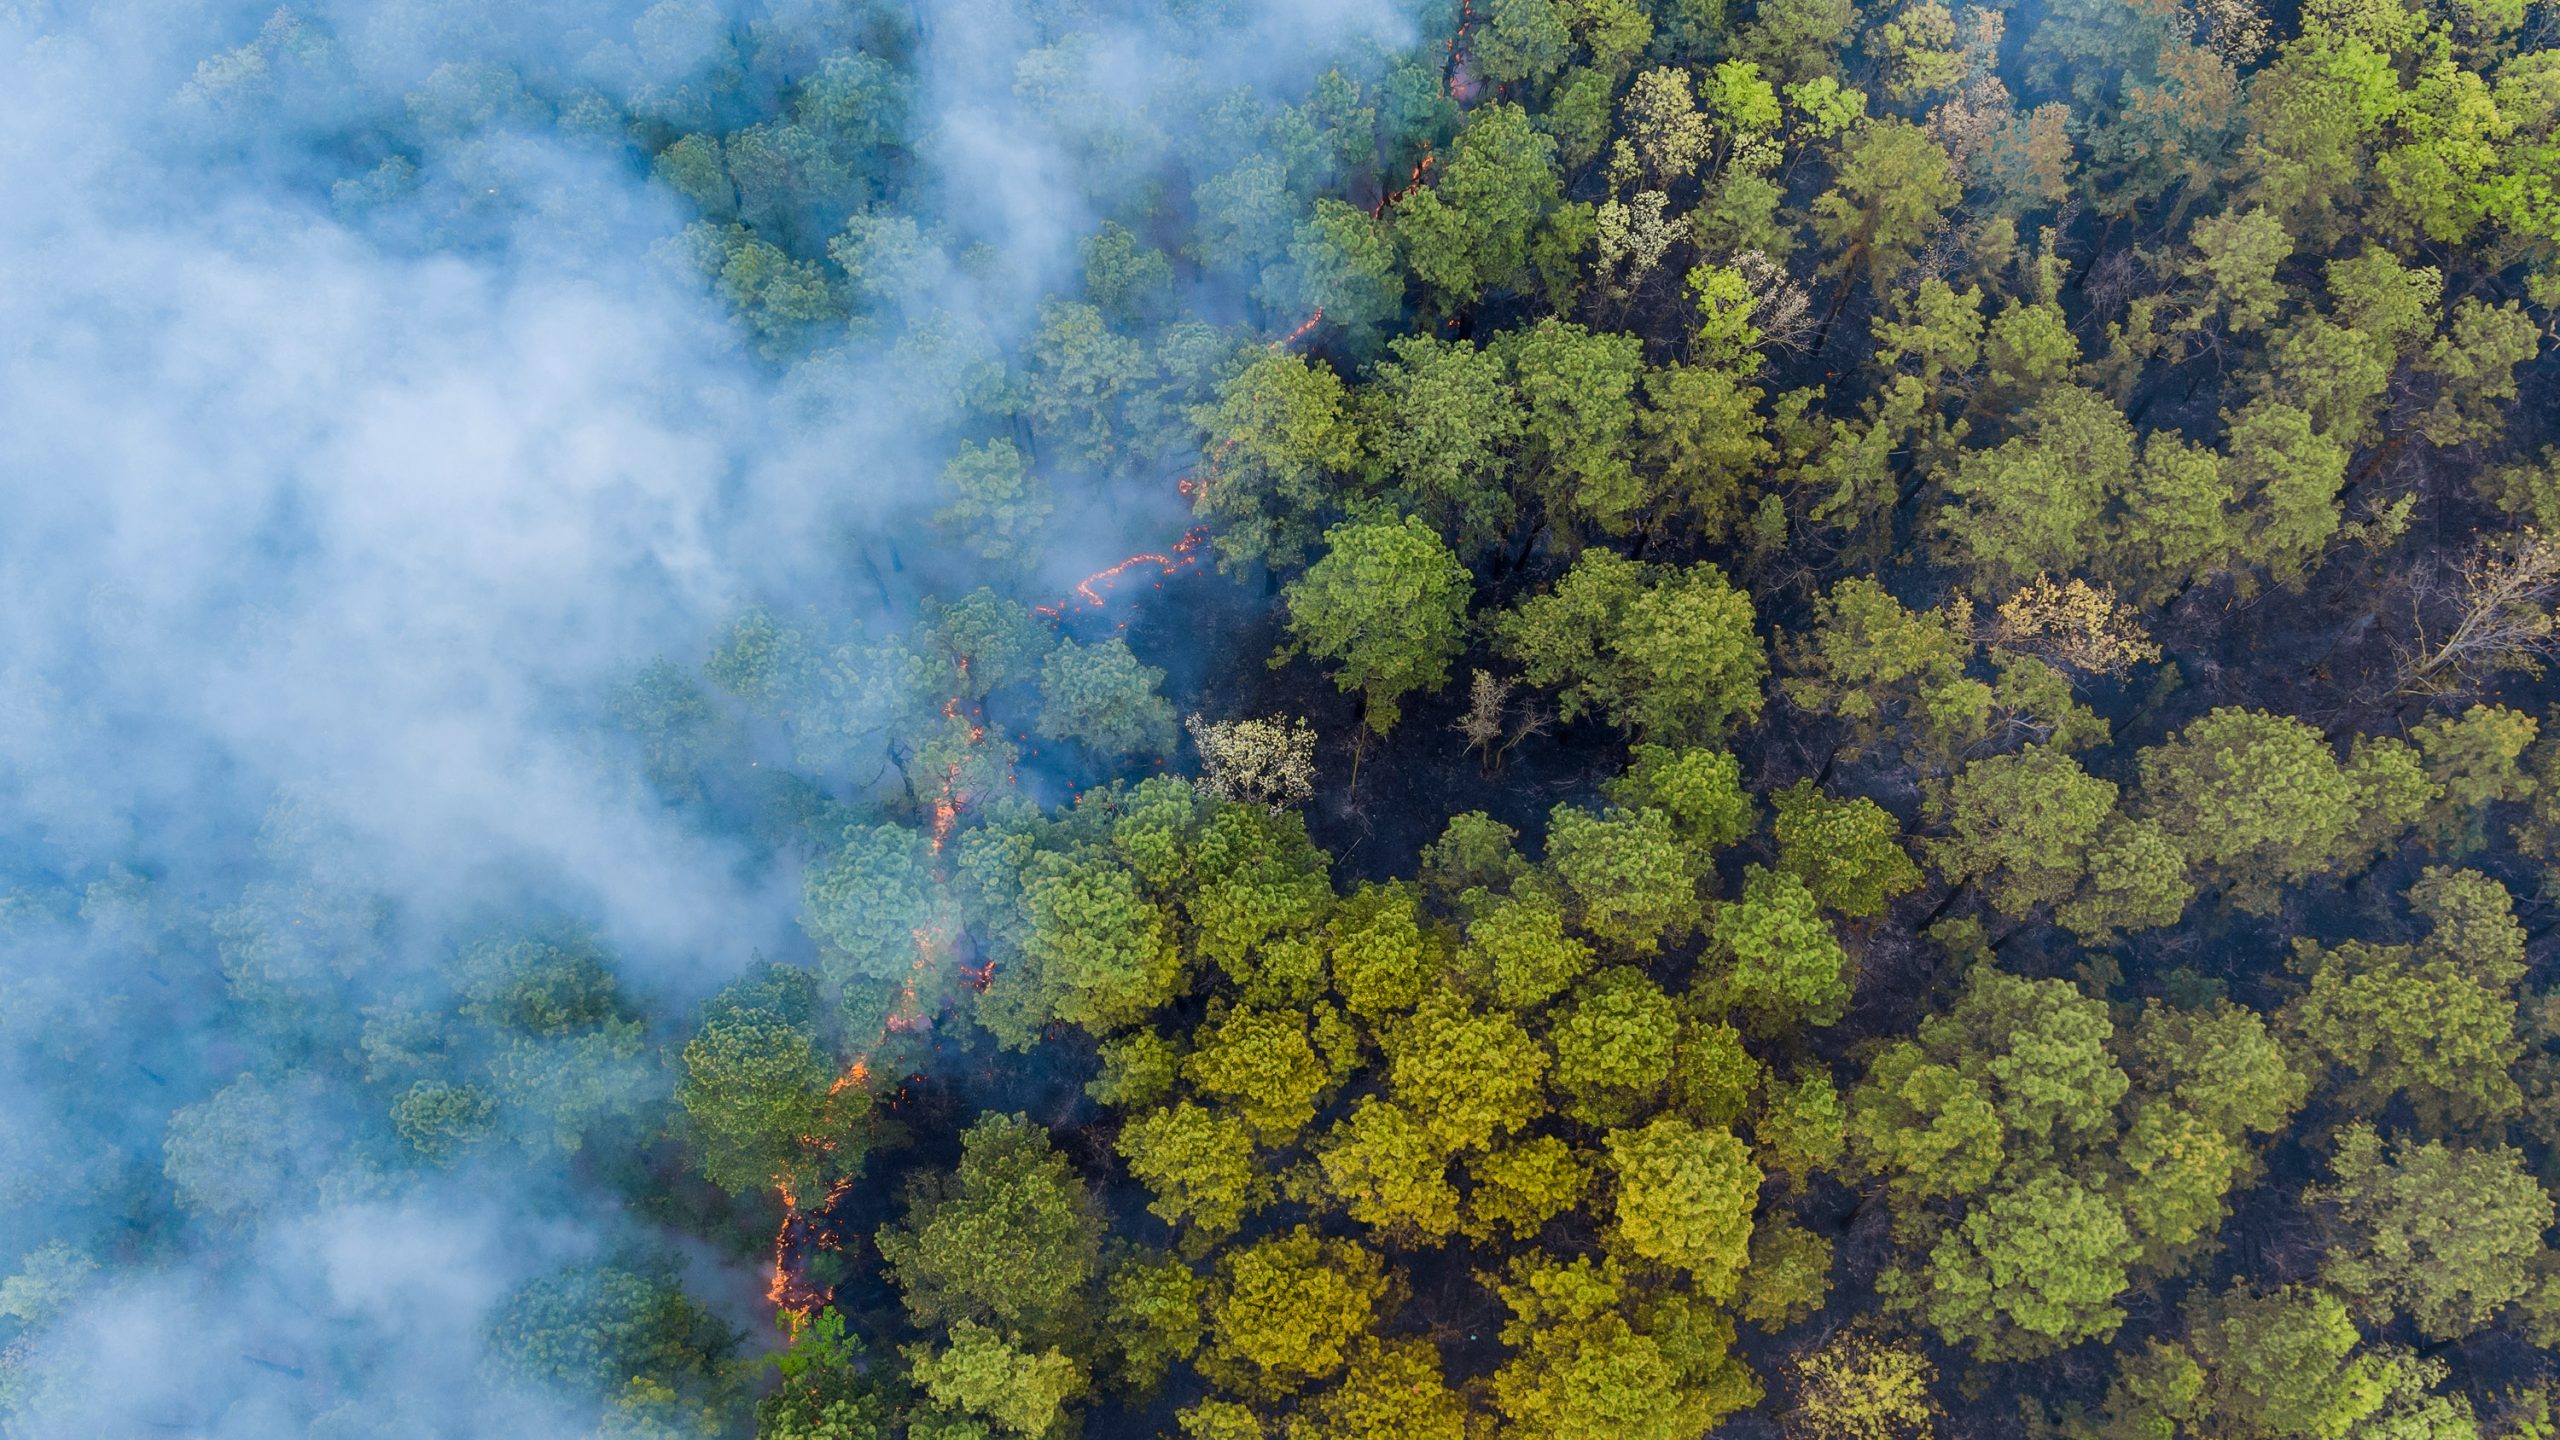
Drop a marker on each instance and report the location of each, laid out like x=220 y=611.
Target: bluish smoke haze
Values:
x=360 y=435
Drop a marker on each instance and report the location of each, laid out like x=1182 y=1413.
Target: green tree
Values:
x=2283 y=1363
x=1262 y=1064
x=440 y=1120
x=1700 y=789
x=1576 y=393
x=2476 y=761
x=1787 y=965
x=1291 y=1310
x=1386 y=607
x=1442 y=425
x=1848 y=853
x=981 y=1372
x=866 y=904
x=1713 y=1077
x=589 y=1329
x=1000 y=506
x=1474 y=852
x=2219 y=1063
x=1788 y=1277
x=1518 y=1188
x=1614 y=1045
x=2136 y=880
x=2285 y=476
x=1633 y=881
x=2016 y=1064
x=1381 y=957
x=2443 y=1235
x=1280 y=431
x=758 y=1094
x=1670 y=655
x=1385 y=1168
x=1581 y=1369
x=1342 y=265
x=1797 y=39
x=1524 y=40
x=1881 y=667
x=1098 y=953
x=1684 y=1198
x=1198 y=1162
x=1009 y=1238
x=780 y=299
x=986 y=641
x=823 y=1393
x=1391 y=1390
x=2025 y=824
x=1519 y=940
x=238 y=1152
x=1890 y=194
x=2255 y=802
x=2435 y=1022
x=1803 y=1128
x=1702 y=444
x=2032 y=504
x=1102 y=696
x=1130 y=281
x=2033 y=1268
x=1471 y=229
x=1082 y=373
x=1858 y=1386
x=1152 y=1310
x=1468 y=1076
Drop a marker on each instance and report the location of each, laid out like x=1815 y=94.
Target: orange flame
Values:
x=1449 y=75
x=1089 y=590
x=1449 y=89
x=1304 y=326
x=1412 y=183
x=792 y=1296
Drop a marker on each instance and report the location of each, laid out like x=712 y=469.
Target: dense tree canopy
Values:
x=1875 y=669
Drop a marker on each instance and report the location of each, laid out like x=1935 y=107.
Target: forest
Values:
x=1280 y=719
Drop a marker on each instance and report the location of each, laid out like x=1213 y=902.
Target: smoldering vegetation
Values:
x=372 y=427
x=1455 y=720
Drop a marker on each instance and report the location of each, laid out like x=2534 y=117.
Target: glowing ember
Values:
x=1304 y=326
x=1413 y=183
x=1449 y=88
x=1089 y=590
x=794 y=1299
x=1449 y=75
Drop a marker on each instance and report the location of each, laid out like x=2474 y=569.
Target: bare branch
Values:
x=2502 y=590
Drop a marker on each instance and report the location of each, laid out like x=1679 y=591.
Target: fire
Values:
x=1449 y=75
x=792 y=1296
x=1448 y=88
x=946 y=804
x=1089 y=590
x=790 y=1293
x=1412 y=183
x=1304 y=326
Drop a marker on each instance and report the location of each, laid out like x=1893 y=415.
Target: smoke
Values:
x=362 y=432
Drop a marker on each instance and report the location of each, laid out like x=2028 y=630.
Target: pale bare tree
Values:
x=1488 y=706
x=2073 y=625
x=1269 y=762
x=1781 y=309
x=2501 y=594
x=1487 y=699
